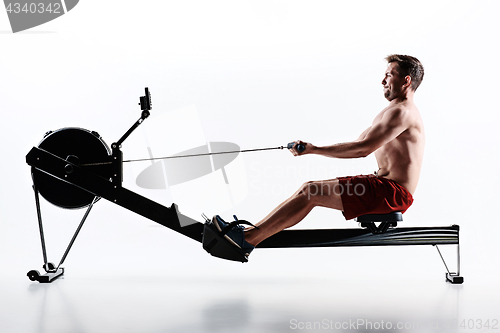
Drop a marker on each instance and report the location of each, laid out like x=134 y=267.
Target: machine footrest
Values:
x=218 y=246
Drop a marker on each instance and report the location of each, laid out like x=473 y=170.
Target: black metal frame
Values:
x=113 y=191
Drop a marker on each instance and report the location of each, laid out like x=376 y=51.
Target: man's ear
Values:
x=407 y=83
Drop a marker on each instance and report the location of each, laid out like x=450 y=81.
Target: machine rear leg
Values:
x=452 y=277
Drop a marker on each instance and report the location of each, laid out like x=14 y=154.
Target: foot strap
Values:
x=231 y=225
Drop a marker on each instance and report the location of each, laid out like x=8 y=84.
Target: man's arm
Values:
x=392 y=124
x=363 y=135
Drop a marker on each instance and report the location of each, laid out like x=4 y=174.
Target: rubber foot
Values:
x=45 y=278
x=454 y=279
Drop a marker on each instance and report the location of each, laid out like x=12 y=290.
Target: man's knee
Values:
x=322 y=193
x=314 y=189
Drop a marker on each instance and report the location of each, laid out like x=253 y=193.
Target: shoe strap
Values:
x=231 y=225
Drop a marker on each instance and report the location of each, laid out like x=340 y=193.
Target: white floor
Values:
x=344 y=303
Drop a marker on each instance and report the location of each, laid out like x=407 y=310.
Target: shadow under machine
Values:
x=74 y=168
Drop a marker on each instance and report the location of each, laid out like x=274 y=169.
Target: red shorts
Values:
x=369 y=194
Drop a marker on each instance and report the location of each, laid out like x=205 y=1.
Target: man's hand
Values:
x=308 y=148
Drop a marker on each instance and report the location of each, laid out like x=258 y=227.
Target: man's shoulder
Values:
x=406 y=115
x=397 y=113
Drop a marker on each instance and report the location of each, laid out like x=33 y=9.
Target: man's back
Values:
x=401 y=158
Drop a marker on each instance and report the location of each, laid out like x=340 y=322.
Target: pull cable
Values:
x=191 y=155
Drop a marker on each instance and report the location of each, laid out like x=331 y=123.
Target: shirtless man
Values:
x=397 y=139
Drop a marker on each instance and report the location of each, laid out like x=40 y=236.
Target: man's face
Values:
x=392 y=82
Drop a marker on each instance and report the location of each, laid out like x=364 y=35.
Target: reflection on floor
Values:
x=229 y=305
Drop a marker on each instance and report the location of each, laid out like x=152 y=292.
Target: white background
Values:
x=260 y=74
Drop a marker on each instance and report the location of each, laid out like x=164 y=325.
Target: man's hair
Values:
x=408 y=65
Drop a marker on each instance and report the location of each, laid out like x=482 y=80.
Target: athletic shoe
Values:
x=234 y=232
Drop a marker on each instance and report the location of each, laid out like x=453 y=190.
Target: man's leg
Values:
x=315 y=193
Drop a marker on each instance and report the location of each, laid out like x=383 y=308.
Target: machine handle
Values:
x=300 y=148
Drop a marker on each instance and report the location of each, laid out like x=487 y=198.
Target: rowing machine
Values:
x=74 y=168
